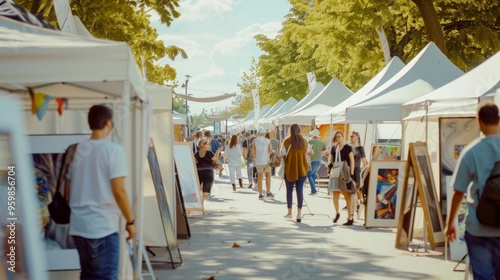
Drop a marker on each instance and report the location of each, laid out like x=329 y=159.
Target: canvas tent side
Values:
x=391 y=69
x=458 y=97
x=334 y=93
x=86 y=71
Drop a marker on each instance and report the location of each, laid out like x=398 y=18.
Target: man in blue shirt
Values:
x=475 y=165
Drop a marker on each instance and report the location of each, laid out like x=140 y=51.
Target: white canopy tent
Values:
x=458 y=97
x=333 y=94
x=310 y=96
x=391 y=69
x=249 y=124
x=86 y=71
x=268 y=121
x=428 y=70
x=273 y=109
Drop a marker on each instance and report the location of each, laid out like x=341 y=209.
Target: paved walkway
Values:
x=273 y=247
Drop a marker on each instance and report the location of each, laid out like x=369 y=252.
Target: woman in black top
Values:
x=359 y=156
x=204 y=159
x=346 y=154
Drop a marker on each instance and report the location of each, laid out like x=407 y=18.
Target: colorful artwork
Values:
x=386 y=152
x=386 y=194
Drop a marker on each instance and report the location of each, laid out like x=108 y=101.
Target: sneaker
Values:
x=261 y=196
x=314 y=193
x=288 y=216
x=270 y=194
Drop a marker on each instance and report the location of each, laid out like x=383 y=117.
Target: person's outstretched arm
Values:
x=121 y=198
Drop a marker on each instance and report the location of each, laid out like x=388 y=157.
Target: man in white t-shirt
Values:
x=98 y=199
x=261 y=150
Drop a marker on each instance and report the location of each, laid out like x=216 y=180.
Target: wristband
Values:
x=131 y=223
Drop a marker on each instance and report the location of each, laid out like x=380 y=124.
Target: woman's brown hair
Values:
x=296 y=140
x=234 y=141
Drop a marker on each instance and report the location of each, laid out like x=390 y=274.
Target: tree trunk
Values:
x=432 y=24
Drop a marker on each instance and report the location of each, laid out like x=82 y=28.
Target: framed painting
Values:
x=188 y=175
x=47 y=151
x=427 y=193
x=385 y=152
x=408 y=199
x=384 y=193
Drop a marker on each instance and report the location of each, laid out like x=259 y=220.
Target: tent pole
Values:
x=426 y=119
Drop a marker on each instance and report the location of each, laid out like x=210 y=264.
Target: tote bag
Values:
x=337 y=164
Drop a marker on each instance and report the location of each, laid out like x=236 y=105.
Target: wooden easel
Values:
x=420 y=192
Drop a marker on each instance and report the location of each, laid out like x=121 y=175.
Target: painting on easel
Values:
x=419 y=163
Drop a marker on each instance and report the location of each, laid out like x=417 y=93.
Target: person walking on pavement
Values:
x=261 y=151
x=359 y=157
x=204 y=160
x=246 y=148
x=474 y=165
x=318 y=147
x=341 y=151
x=295 y=149
x=98 y=199
x=274 y=145
x=233 y=155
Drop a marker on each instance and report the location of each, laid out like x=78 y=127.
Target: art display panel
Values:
x=47 y=154
x=188 y=176
x=427 y=193
x=384 y=193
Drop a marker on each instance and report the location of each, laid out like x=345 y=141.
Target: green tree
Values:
x=340 y=37
x=127 y=21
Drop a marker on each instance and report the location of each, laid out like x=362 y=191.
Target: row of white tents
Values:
x=429 y=85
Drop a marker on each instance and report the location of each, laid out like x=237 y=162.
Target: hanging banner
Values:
x=385 y=44
x=311 y=80
x=256 y=106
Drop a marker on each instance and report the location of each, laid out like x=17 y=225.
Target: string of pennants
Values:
x=40 y=103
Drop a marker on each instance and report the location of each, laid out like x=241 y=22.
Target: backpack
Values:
x=59 y=209
x=488 y=208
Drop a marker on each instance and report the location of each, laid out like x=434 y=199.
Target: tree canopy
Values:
x=123 y=20
x=339 y=39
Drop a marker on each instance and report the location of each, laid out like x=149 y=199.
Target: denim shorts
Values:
x=98 y=257
x=484 y=256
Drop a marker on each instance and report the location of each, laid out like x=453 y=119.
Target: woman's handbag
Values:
x=217 y=166
x=337 y=165
x=274 y=160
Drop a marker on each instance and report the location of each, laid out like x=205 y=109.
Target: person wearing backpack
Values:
x=474 y=165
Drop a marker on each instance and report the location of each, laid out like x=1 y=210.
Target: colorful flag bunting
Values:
x=60 y=102
x=41 y=103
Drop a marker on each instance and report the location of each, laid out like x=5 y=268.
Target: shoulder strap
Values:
x=337 y=153
x=63 y=169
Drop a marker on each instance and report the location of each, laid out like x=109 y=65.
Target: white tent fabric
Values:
x=206 y=99
x=273 y=109
x=61 y=65
x=334 y=93
x=249 y=124
x=430 y=69
x=391 y=69
x=459 y=97
x=310 y=96
x=268 y=121
x=87 y=71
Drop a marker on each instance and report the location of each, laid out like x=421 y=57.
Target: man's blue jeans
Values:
x=484 y=256
x=249 y=171
x=299 y=188
x=311 y=175
x=98 y=257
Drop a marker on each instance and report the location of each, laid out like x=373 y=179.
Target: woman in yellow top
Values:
x=295 y=169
